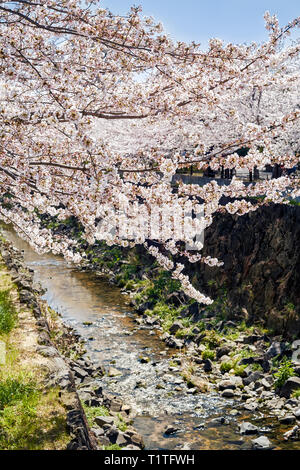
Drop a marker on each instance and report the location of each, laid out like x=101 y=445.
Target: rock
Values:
x=297 y=413
x=262 y=443
x=112 y=372
x=137 y=440
x=292 y=434
x=145 y=306
x=246 y=361
x=115 y=405
x=144 y=359
x=112 y=434
x=228 y=393
x=288 y=419
x=251 y=339
x=251 y=406
x=223 y=351
x=266 y=384
x=292 y=384
x=103 y=441
x=200 y=384
x=131 y=447
x=207 y=367
x=80 y=373
x=253 y=377
x=174 y=343
x=177 y=325
x=98 y=432
x=102 y=420
x=217 y=421
x=227 y=385
x=276 y=349
x=248 y=428
x=170 y=430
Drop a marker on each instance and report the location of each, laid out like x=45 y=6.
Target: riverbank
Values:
x=50 y=397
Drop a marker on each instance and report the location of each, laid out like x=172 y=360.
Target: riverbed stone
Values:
x=104 y=420
x=292 y=384
x=253 y=377
x=113 y=372
x=228 y=393
x=248 y=428
x=226 y=385
x=262 y=443
x=287 y=419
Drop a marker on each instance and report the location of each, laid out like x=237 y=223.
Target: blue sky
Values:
x=237 y=21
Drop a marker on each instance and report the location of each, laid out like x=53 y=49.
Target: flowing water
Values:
x=103 y=317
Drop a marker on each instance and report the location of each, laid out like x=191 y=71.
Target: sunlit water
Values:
x=114 y=340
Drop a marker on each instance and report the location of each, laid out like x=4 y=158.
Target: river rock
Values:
x=177 y=325
x=262 y=443
x=288 y=419
x=112 y=372
x=171 y=430
x=226 y=385
x=223 y=351
x=276 y=349
x=253 y=377
x=102 y=420
x=292 y=434
x=207 y=367
x=228 y=393
x=248 y=428
x=292 y=384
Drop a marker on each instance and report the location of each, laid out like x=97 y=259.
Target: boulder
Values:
x=292 y=384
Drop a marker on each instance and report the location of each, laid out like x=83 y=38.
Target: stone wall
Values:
x=261 y=254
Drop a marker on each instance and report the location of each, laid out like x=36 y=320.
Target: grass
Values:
x=285 y=371
x=14 y=389
x=92 y=412
x=30 y=417
x=208 y=354
x=8 y=314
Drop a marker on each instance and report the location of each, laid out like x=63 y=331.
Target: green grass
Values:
x=285 y=371
x=92 y=412
x=113 y=447
x=208 y=354
x=226 y=366
x=8 y=315
x=14 y=389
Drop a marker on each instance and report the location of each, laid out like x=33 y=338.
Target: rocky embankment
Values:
x=93 y=417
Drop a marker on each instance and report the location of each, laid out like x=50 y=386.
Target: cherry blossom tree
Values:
x=98 y=112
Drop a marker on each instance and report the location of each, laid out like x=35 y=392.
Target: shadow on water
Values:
x=101 y=314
